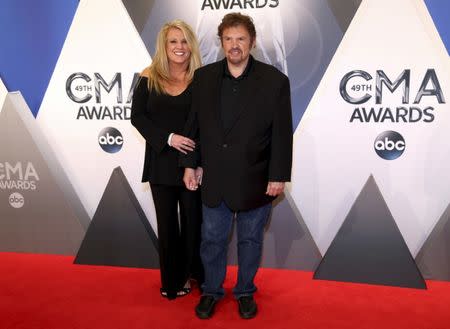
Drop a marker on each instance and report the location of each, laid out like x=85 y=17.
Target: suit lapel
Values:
x=214 y=92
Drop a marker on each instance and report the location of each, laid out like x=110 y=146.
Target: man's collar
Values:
x=226 y=71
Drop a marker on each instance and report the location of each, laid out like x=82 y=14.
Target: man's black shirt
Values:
x=230 y=93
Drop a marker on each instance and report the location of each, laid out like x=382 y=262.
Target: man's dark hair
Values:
x=236 y=19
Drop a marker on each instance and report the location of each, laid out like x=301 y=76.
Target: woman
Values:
x=161 y=103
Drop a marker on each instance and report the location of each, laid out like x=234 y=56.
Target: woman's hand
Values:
x=182 y=144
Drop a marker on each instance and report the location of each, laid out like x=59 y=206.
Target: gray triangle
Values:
x=288 y=243
x=433 y=258
x=56 y=169
x=139 y=11
x=119 y=234
x=369 y=247
x=36 y=215
x=344 y=11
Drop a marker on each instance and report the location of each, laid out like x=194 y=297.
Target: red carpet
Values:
x=49 y=292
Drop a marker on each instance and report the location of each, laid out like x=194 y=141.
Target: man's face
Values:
x=236 y=44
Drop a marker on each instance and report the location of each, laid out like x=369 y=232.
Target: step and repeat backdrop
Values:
x=369 y=199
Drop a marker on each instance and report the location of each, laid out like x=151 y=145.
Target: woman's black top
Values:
x=156 y=116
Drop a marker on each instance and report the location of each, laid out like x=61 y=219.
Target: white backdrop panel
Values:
x=102 y=44
x=333 y=157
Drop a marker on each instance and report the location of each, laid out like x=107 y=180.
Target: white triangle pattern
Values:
x=3 y=92
x=334 y=157
x=102 y=40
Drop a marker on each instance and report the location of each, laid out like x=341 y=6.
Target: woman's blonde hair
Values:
x=159 y=69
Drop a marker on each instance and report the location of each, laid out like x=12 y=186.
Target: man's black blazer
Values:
x=257 y=148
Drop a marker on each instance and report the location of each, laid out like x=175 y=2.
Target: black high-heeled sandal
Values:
x=183 y=292
x=180 y=293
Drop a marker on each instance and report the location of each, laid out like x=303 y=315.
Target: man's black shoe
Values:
x=247 y=307
x=205 y=308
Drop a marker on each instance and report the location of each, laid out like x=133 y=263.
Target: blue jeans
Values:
x=216 y=227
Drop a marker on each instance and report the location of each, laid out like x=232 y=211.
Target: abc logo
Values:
x=110 y=140
x=16 y=200
x=389 y=145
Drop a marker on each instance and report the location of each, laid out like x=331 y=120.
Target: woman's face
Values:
x=177 y=47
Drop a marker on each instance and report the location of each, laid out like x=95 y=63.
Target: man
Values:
x=241 y=116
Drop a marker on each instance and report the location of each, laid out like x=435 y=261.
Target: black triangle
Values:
x=369 y=247
x=287 y=242
x=119 y=233
x=433 y=258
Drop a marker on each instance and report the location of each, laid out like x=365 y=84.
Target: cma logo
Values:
x=110 y=140
x=18 y=176
x=80 y=86
x=352 y=81
x=239 y=4
x=389 y=145
x=16 y=200
x=18 y=171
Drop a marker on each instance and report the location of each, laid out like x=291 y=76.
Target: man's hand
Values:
x=275 y=188
x=182 y=144
x=199 y=175
x=189 y=179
